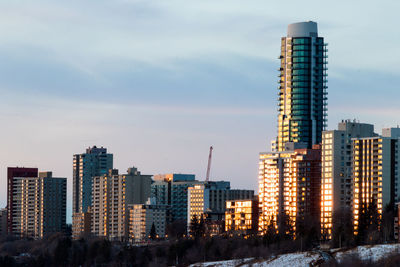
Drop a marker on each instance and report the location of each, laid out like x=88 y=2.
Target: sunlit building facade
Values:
x=242 y=216
x=208 y=199
x=82 y=223
x=375 y=172
x=337 y=171
x=289 y=187
x=95 y=162
x=111 y=195
x=15 y=172
x=142 y=217
x=303 y=86
x=39 y=205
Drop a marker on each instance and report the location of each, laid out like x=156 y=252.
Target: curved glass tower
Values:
x=302 y=91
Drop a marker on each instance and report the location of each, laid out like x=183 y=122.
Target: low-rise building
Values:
x=142 y=218
x=208 y=200
x=242 y=216
x=82 y=223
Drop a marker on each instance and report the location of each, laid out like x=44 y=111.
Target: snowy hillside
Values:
x=311 y=258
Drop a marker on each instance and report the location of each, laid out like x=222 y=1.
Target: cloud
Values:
x=159 y=32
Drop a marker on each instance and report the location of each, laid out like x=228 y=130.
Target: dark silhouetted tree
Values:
x=176 y=229
x=197 y=226
x=270 y=234
x=153 y=233
x=342 y=228
x=285 y=226
x=61 y=252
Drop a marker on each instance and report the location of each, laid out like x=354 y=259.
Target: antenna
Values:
x=209 y=164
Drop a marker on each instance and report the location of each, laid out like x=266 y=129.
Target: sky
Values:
x=159 y=81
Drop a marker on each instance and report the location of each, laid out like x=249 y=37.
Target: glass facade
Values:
x=302 y=91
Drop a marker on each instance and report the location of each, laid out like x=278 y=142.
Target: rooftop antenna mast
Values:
x=209 y=164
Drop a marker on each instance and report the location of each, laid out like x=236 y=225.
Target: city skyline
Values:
x=59 y=100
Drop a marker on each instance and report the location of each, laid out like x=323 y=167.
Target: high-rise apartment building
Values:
x=13 y=172
x=376 y=173
x=337 y=171
x=39 y=205
x=111 y=195
x=302 y=91
x=53 y=203
x=172 y=190
x=289 y=187
x=95 y=162
x=290 y=175
x=161 y=189
x=161 y=192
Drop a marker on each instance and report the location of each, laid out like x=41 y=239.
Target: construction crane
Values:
x=209 y=164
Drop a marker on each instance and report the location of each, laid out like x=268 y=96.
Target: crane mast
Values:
x=209 y=164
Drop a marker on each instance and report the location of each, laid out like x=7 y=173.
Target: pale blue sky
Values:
x=158 y=82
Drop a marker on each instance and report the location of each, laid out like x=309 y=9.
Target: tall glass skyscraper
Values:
x=302 y=91
x=290 y=175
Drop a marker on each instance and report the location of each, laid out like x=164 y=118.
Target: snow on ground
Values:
x=229 y=263
x=292 y=259
x=373 y=253
x=311 y=258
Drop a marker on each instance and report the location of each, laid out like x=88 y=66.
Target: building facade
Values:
x=142 y=217
x=337 y=171
x=95 y=162
x=161 y=192
x=302 y=86
x=241 y=216
x=39 y=205
x=13 y=172
x=376 y=173
x=111 y=195
x=82 y=222
x=139 y=186
x=179 y=200
x=208 y=199
x=53 y=203
x=289 y=188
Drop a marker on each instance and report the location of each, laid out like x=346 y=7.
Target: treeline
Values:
x=180 y=250
x=59 y=250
